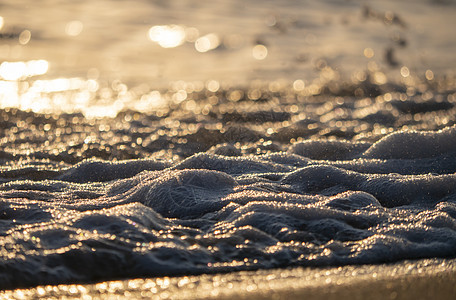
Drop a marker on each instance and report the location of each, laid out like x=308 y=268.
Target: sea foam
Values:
x=317 y=203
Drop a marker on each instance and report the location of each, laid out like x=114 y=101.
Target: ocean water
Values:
x=213 y=137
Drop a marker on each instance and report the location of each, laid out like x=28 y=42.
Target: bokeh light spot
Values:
x=20 y=69
x=299 y=85
x=379 y=78
x=206 y=43
x=405 y=72
x=369 y=52
x=74 y=28
x=259 y=52
x=25 y=37
x=12 y=70
x=212 y=85
x=429 y=75
x=167 y=36
x=37 y=67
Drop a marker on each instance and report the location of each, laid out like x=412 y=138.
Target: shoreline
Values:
x=421 y=279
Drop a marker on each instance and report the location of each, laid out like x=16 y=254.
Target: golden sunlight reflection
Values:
x=103 y=111
x=369 y=52
x=206 y=43
x=18 y=89
x=299 y=85
x=2 y=22
x=379 y=78
x=259 y=52
x=405 y=72
x=61 y=95
x=9 y=93
x=429 y=75
x=153 y=99
x=21 y=70
x=213 y=86
x=58 y=85
x=167 y=36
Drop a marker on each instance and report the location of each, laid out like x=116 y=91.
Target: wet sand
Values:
x=422 y=279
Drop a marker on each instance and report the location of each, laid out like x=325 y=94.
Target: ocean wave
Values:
x=314 y=181
x=317 y=203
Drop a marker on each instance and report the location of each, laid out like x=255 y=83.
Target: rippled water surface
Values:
x=167 y=138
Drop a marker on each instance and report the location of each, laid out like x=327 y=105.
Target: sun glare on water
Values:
x=208 y=42
x=167 y=36
x=22 y=70
x=22 y=88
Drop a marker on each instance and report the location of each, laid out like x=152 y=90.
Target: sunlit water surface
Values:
x=69 y=56
x=242 y=135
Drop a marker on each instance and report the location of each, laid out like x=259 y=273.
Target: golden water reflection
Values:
x=172 y=36
x=259 y=52
x=21 y=70
x=167 y=36
x=62 y=95
x=206 y=43
x=21 y=88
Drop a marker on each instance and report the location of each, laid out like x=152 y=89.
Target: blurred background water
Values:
x=94 y=49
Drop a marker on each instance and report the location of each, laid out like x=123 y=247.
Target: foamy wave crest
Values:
x=318 y=203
